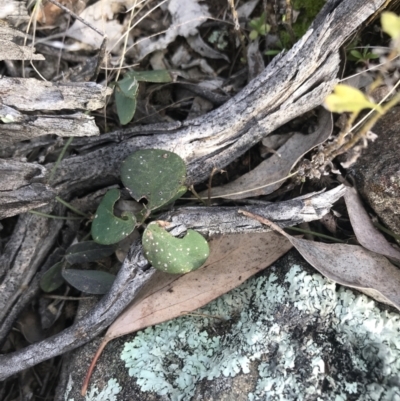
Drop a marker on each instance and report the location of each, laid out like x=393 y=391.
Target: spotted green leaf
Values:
x=174 y=255
x=106 y=227
x=155 y=175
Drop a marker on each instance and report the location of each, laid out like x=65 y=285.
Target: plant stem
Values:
x=60 y=157
x=315 y=233
x=385 y=230
x=51 y=216
x=66 y=204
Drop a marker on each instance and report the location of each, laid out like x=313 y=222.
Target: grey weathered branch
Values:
x=135 y=271
x=30 y=127
x=211 y=221
x=292 y=84
x=31 y=94
x=32 y=239
x=19 y=96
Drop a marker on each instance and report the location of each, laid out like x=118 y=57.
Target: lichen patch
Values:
x=310 y=341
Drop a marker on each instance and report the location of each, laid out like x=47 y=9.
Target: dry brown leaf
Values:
x=101 y=15
x=186 y=16
x=278 y=166
x=349 y=265
x=233 y=259
x=49 y=13
x=367 y=235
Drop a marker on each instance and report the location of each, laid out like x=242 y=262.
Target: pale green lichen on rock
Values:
x=172 y=358
x=108 y=393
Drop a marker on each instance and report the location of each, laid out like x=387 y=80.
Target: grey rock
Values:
x=377 y=171
x=288 y=334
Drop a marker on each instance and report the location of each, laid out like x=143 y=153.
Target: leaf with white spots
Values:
x=174 y=255
x=87 y=251
x=155 y=175
x=106 y=227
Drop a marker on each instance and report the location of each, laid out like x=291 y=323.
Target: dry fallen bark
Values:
x=20 y=95
x=11 y=47
x=31 y=94
x=32 y=239
x=13 y=11
x=135 y=271
x=30 y=127
x=20 y=180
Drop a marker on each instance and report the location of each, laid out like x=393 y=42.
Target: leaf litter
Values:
x=269 y=175
x=233 y=259
x=349 y=265
x=367 y=235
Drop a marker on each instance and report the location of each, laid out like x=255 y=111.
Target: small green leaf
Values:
x=264 y=29
x=126 y=106
x=253 y=35
x=89 y=281
x=253 y=24
x=109 y=229
x=155 y=175
x=346 y=98
x=356 y=54
x=129 y=87
x=52 y=278
x=174 y=255
x=390 y=24
x=87 y=251
x=156 y=76
x=272 y=52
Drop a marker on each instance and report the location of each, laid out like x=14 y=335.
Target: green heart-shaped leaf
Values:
x=106 y=227
x=154 y=174
x=174 y=255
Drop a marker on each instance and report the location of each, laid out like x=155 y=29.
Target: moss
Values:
x=309 y=339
